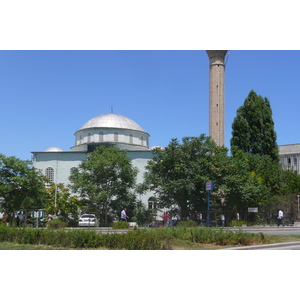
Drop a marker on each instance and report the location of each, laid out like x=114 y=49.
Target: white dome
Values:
x=53 y=149
x=112 y=121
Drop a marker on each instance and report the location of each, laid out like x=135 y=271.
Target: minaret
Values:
x=216 y=94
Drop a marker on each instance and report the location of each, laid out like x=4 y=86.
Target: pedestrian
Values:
x=280 y=218
x=18 y=219
x=166 y=219
x=177 y=217
x=223 y=220
x=124 y=217
x=21 y=218
x=170 y=222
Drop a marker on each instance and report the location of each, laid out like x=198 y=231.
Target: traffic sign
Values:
x=209 y=185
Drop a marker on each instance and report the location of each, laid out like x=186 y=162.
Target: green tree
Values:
x=253 y=127
x=60 y=202
x=287 y=200
x=178 y=173
x=21 y=185
x=251 y=180
x=105 y=179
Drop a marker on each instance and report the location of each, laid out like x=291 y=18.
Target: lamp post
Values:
x=298 y=197
x=209 y=187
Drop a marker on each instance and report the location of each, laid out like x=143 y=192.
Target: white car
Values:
x=88 y=220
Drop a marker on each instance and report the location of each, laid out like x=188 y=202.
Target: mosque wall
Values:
x=63 y=162
x=96 y=135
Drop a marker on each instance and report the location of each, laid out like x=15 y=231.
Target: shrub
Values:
x=56 y=224
x=120 y=225
x=237 y=223
x=187 y=224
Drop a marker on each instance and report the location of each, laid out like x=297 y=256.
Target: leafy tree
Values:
x=105 y=179
x=142 y=215
x=178 y=173
x=251 y=180
x=21 y=185
x=253 y=127
x=287 y=200
x=61 y=203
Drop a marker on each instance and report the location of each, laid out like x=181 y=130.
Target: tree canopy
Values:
x=60 y=202
x=253 y=127
x=178 y=173
x=105 y=180
x=21 y=185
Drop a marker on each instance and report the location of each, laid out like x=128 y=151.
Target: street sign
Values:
x=253 y=209
x=209 y=185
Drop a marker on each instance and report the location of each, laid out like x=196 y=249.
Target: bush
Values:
x=120 y=225
x=187 y=224
x=56 y=224
x=237 y=223
x=81 y=239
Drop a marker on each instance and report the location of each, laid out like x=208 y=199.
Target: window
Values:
x=49 y=173
x=100 y=136
x=116 y=137
x=142 y=141
x=80 y=139
x=152 y=203
x=295 y=161
x=89 y=137
x=130 y=139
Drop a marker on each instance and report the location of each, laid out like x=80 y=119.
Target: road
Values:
x=287 y=230
x=270 y=230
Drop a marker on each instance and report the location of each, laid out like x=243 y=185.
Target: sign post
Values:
x=209 y=187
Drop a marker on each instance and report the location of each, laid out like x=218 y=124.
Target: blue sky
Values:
x=48 y=95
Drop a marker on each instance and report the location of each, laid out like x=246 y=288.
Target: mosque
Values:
x=108 y=129
x=124 y=133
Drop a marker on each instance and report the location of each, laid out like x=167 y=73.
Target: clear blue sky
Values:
x=48 y=95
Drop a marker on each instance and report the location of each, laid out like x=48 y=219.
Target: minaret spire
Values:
x=216 y=94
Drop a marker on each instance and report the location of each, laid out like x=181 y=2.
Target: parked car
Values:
x=89 y=220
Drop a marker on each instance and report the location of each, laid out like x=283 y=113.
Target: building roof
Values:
x=112 y=121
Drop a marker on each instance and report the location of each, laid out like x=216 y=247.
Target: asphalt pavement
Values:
x=286 y=230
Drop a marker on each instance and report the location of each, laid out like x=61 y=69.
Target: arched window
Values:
x=130 y=139
x=49 y=173
x=116 y=137
x=100 y=136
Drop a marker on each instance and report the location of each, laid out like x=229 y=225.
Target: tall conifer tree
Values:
x=253 y=127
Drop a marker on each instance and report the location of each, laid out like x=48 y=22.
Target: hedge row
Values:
x=209 y=235
x=80 y=239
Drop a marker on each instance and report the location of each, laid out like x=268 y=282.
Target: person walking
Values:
x=166 y=219
x=280 y=218
x=223 y=220
x=124 y=217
